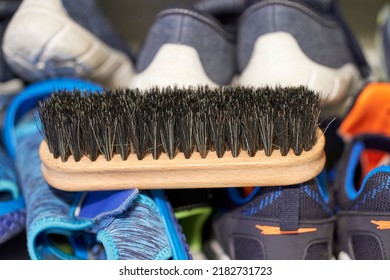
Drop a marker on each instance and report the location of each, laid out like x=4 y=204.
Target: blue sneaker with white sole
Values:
x=173 y=53
x=301 y=42
x=66 y=38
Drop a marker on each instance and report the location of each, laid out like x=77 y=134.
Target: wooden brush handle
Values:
x=164 y=173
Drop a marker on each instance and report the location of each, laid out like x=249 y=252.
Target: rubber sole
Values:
x=174 y=64
x=343 y=256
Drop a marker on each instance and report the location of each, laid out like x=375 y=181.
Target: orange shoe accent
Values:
x=371 y=159
x=270 y=230
x=370 y=113
x=247 y=191
x=381 y=225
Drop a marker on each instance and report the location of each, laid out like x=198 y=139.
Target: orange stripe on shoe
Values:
x=270 y=230
x=381 y=225
x=370 y=113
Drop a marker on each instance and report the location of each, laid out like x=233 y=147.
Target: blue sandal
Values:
x=84 y=225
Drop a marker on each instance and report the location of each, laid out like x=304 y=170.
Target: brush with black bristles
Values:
x=181 y=138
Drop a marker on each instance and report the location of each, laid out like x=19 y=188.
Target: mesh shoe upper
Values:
x=277 y=223
x=363 y=199
x=372 y=194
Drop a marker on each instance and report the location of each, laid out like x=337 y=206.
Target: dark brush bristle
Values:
x=185 y=126
x=201 y=127
x=179 y=120
x=217 y=123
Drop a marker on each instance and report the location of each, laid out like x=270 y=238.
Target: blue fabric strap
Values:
x=289 y=218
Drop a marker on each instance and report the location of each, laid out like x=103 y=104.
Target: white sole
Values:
x=277 y=59
x=42 y=41
x=173 y=65
x=216 y=248
x=343 y=256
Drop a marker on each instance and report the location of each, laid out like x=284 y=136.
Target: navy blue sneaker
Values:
x=186 y=47
x=66 y=38
x=273 y=223
x=301 y=42
x=363 y=199
x=363 y=178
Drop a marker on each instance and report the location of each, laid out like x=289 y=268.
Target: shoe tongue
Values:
x=370 y=114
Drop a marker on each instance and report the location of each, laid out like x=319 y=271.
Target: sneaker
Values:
x=172 y=53
x=383 y=40
x=363 y=193
x=272 y=223
x=301 y=42
x=9 y=83
x=363 y=179
x=93 y=225
x=38 y=43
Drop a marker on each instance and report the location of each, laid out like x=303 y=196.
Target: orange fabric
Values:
x=370 y=159
x=247 y=191
x=381 y=225
x=270 y=230
x=370 y=113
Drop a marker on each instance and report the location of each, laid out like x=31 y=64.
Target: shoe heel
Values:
x=277 y=59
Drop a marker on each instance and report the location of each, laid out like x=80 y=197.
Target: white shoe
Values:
x=53 y=38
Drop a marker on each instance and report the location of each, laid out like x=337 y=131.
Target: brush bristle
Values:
x=178 y=120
